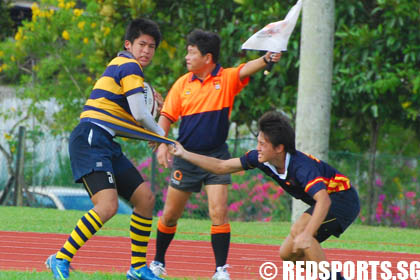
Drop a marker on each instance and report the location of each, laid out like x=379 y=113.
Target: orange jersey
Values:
x=204 y=107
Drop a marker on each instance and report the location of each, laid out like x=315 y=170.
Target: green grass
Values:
x=357 y=237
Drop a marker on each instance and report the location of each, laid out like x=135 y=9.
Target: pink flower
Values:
x=266 y=209
x=257 y=197
x=160 y=170
x=410 y=195
x=192 y=206
x=159 y=213
x=279 y=193
x=144 y=164
x=235 y=186
x=260 y=176
x=235 y=206
x=395 y=209
x=403 y=224
x=379 y=182
x=268 y=219
x=382 y=197
x=379 y=209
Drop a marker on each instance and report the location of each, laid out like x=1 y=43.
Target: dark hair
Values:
x=140 y=26
x=276 y=127
x=206 y=42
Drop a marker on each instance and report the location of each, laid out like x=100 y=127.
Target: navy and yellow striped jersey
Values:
x=107 y=104
x=204 y=107
x=306 y=175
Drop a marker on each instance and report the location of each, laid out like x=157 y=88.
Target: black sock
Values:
x=162 y=243
x=220 y=243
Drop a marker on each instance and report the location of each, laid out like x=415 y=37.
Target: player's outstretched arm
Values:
x=210 y=164
x=258 y=64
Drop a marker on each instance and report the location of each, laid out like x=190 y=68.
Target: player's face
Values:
x=143 y=49
x=195 y=61
x=266 y=151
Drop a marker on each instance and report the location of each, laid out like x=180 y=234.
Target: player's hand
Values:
x=302 y=241
x=176 y=149
x=159 y=100
x=163 y=156
x=272 y=56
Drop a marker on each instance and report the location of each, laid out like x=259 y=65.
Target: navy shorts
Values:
x=344 y=209
x=92 y=149
x=188 y=177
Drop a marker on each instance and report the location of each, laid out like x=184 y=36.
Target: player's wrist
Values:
x=265 y=60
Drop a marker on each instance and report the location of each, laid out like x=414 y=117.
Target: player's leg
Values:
x=105 y=203
x=217 y=194
x=88 y=147
x=131 y=186
x=174 y=207
x=220 y=230
x=185 y=179
x=286 y=249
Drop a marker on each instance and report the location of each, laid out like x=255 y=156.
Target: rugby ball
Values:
x=149 y=98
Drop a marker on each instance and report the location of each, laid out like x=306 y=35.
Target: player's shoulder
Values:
x=251 y=155
x=124 y=61
x=183 y=80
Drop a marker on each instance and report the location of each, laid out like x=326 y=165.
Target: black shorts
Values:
x=98 y=162
x=344 y=209
x=188 y=177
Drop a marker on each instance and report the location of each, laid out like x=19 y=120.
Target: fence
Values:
x=252 y=196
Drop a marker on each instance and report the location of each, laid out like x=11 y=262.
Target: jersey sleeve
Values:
x=249 y=160
x=235 y=84
x=172 y=106
x=131 y=78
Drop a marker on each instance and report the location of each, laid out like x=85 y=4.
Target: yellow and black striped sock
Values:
x=140 y=228
x=86 y=227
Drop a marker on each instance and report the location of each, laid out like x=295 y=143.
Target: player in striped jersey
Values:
x=333 y=202
x=116 y=107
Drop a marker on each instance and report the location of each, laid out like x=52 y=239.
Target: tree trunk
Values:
x=375 y=126
x=315 y=75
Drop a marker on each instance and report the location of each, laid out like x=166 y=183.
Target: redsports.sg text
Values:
x=359 y=270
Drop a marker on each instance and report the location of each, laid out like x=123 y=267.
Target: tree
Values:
x=376 y=81
x=6 y=23
x=315 y=75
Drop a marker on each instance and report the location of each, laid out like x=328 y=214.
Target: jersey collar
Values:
x=126 y=54
x=274 y=169
x=213 y=73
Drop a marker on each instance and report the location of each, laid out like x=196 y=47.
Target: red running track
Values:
x=28 y=251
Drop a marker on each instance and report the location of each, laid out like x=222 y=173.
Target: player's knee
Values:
x=107 y=210
x=286 y=254
x=219 y=212
x=150 y=200
x=169 y=220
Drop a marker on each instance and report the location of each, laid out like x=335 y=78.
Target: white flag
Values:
x=275 y=36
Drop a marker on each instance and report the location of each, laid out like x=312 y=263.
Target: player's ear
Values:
x=127 y=45
x=209 y=58
x=279 y=148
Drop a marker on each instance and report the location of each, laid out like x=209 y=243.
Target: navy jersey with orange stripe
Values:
x=306 y=175
x=204 y=107
x=108 y=104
